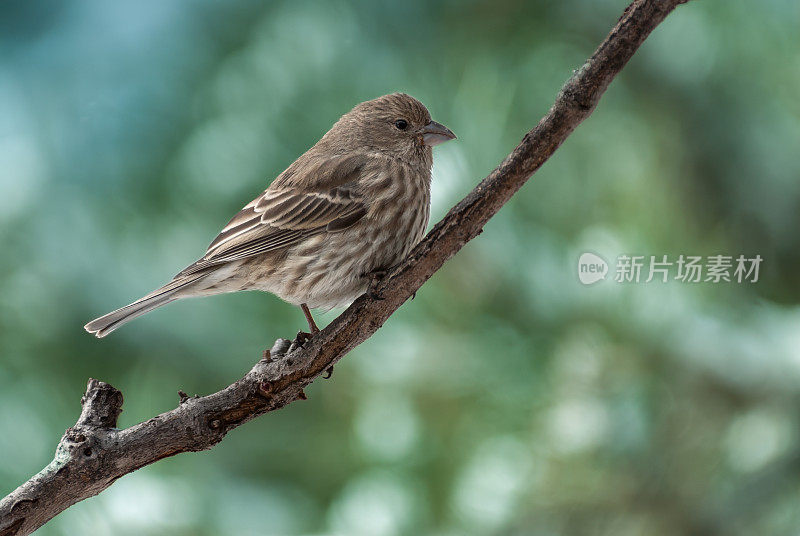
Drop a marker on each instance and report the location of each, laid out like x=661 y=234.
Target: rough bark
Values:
x=94 y=453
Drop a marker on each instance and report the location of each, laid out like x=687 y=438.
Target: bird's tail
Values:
x=100 y=327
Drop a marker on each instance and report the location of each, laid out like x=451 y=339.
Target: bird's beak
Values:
x=435 y=133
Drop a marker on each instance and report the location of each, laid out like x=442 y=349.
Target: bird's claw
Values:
x=301 y=338
x=328 y=373
x=376 y=276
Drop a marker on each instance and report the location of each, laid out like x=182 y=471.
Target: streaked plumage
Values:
x=353 y=204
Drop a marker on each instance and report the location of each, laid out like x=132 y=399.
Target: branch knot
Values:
x=102 y=405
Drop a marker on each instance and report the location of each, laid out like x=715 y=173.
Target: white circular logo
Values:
x=591 y=268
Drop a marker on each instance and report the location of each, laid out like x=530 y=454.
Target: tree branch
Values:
x=94 y=453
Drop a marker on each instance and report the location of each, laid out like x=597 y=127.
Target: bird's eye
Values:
x=402 y=124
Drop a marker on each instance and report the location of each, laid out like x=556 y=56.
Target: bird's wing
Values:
x=299 y=204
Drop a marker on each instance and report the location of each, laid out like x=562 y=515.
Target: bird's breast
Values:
x=402 y=208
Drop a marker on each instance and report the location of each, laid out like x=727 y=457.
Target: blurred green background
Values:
x=507 y=398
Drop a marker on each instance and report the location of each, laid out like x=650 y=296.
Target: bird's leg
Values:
x=314 y=329
x=302 y=336
x=310 y=319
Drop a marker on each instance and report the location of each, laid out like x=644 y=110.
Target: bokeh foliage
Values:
x=507 y=398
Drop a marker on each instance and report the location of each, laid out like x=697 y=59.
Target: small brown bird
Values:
x=351 y=207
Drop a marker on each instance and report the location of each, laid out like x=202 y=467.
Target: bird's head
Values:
x=397 y=125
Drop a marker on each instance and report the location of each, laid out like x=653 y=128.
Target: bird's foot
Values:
x=301 y=338
x=376 y=276
x=328 y=373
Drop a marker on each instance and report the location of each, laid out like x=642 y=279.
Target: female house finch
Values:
x=352 y=205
